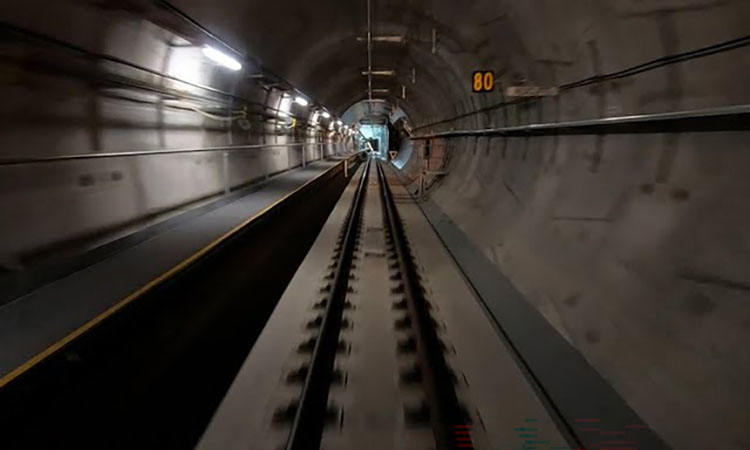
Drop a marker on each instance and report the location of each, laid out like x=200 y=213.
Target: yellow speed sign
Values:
x=483 y=81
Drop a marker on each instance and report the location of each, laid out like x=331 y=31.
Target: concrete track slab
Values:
x=373 y=400
x=502 y=402
x=244 y=420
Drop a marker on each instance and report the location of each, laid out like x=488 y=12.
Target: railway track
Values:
x=447 y=416
x=150 y=372
x=310 y=415
x=336 y=320
x=439 y=408
x=379 y=342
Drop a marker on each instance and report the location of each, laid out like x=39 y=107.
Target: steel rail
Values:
x=728 y=118
x=129 y=376
x=582 y=392
x=307 y=429
x=444 y=408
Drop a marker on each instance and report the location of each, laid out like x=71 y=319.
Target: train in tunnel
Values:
x=416 y=224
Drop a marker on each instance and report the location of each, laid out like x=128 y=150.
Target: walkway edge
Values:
x=566 y=383
x=181 y=266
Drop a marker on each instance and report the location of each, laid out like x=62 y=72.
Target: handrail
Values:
x=46 y=159
x=724 y=118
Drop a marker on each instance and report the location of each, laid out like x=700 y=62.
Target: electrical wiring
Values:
x=640 y=68
x=231 y=118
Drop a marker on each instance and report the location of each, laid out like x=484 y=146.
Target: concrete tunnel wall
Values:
x=58 y=102
x=645 y=279
x=634 y=247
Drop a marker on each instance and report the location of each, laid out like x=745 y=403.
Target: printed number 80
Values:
x=484 y=81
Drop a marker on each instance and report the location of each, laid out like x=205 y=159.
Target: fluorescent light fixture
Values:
x=221 y=58
x=302 y=101
x=392 y=39
x=380 y=73
x=188 y=64
x=326 y=115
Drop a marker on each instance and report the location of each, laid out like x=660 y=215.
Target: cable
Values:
x=640 y=68
x=660 y=62
x=38 y=37
x=184 y=16
x=219 y=118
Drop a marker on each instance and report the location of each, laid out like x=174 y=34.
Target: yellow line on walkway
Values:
x=15 y=373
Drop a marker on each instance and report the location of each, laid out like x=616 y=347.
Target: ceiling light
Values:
x=220 y=58
x=339 y=123
x=302 y=101
x=393 y=39
x=326 y=115
x=381 y=73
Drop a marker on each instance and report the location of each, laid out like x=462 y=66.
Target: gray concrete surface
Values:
x=244 y=420
x=647 y=279
x=37 y=320
x=373 y=400
x=490 y=380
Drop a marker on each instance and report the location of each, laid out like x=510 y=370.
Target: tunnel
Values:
x=341 y=224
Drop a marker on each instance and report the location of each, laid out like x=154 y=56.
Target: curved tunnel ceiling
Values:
x=315 y=46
